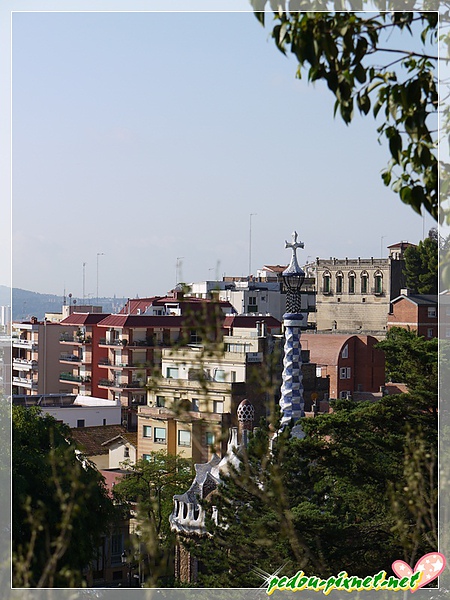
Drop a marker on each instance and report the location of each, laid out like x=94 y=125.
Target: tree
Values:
x=413 y=360
x=151 y=485
x=346 y=497
x=421 y=265
x=349 y=52
x=60 y=505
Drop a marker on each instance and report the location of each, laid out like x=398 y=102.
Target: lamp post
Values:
x=98 y=254
x=250 y=246
x=292 y=402
x=125 y=561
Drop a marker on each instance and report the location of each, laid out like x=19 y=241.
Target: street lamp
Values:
x=125 y=561
x=98 y=254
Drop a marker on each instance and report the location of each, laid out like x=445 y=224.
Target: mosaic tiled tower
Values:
x=292 y=402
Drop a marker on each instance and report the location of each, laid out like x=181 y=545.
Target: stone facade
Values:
x=353 y=295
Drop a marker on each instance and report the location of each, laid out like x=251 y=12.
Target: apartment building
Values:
x=191 y=408
x=35 y=358
x=82 y=354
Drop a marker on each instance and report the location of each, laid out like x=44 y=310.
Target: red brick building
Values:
x=352 y=362
x=416 y=312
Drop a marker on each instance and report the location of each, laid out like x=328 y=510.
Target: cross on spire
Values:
x=294 y=266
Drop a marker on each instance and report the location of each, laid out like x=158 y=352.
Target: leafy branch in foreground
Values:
x=396 y=81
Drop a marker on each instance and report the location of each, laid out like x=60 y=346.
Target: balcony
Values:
x=65 y=376
x=24 y=364
x=25 y=382
x=109 y=342
x=73 y=338
x=121 y=386
x=70 y=358
x=24 y=343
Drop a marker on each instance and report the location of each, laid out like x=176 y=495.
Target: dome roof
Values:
x=245 y=411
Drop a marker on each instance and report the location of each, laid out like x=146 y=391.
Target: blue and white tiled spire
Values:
x=292 y=403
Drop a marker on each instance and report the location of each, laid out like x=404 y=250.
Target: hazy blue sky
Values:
x=153 y=136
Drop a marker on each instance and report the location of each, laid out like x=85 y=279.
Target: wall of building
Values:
x=91 y=415
x=353 y=310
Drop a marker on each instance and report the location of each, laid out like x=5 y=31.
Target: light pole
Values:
x=177 y=269
x=250 y=245
x=84 y=281
x=125 y=561
x=98 y=254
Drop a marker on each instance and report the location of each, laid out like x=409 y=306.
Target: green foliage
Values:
x=60 y=505
x=339 y=499
x=413 y=360
x=344 y=50
x=150 y=486
x=421 y=265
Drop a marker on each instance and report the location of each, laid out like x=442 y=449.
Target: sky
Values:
x=145 y=140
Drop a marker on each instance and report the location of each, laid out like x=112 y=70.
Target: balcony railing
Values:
x=24 y=382
x=30 y=344
x=116 y=384
x=109 y=342
x=70 y=357
x=75 y=339
x=71 y=377
x=23 y=362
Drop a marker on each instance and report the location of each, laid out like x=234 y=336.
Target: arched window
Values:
x=339 y=282
x=364 y=282
x=326 y=287
x=378 y=281
x=351 y=282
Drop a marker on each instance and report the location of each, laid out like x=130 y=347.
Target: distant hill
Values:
x=26 y=304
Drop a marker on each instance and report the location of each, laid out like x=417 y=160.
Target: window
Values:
x=116 y=547
x=104 y=421
x=430 y=332
x=339 y=279
x=160 y=435
x=195 y=337
x=351 y=283
x=184 y=438
x=364 y=283
x=219 y=375
x=378 y=283
x=326 y=283
x=209 y=438
x=160 y=401
x=80 y=422
x=194 y=405
x=172 y=373
x=252 y=305
x=147 y=457
x=345 y=372
x=126 y=452
x=147 y=431
x=218 y=406
x=252 y=301
x=233 y=376
x=345 y=394
x=345 y=351
x=431 y=311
